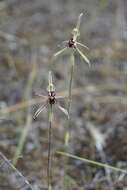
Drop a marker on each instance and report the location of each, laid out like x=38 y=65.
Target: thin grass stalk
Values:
x=92 y=162
x=14 y=178
x=22 y=139
x=49 y=168
x=29 y=116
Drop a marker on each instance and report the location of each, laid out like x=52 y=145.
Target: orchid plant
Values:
x=50 y=101
x=72 y=45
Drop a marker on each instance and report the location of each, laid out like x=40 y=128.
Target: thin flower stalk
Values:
x=67 y=134
x=50 y=101
x=49 y=172
x=71 y=81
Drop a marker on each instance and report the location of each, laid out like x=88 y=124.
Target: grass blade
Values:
x=92 y=162
x=15 y=179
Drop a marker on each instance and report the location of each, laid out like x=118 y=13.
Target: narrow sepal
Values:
x=84 y=57
x=39 y=110
x=82 y=45
x=63 y=110
x=60 y=52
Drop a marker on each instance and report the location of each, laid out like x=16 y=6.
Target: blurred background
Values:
x=30 y=33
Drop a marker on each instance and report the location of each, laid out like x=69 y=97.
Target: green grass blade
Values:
x=22 y=139
x=92 y=162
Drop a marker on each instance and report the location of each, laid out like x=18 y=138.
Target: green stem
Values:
x=49 y=173
x=69 y=96
x=67 y=134
x=70 y=83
